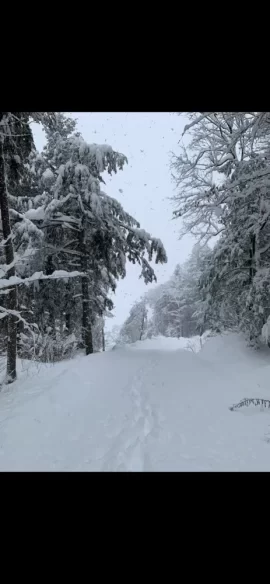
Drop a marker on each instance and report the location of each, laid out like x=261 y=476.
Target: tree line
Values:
x=173 y=309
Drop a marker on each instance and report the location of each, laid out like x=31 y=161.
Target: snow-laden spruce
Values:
x=16 y=142
x=62 y=222
x=83 y=225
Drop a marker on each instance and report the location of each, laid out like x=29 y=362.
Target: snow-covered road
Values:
x=149 y=407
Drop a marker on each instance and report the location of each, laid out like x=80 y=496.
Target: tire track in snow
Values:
x=129 y=449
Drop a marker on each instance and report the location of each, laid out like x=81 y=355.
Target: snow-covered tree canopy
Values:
x=223 y=183
x=215 y=166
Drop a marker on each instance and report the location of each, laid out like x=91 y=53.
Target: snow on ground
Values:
x=153 y=406
x=168 y=344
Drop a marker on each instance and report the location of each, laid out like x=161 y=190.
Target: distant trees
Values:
x=135 y=326
x=111 y=337
x=176 y=308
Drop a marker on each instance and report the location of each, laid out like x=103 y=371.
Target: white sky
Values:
x=147 y=139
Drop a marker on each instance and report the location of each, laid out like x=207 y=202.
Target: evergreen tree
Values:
x=82 y=228
x=16 y=143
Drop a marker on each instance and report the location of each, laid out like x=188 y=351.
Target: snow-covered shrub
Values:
x=256 y=401
x=47 y=348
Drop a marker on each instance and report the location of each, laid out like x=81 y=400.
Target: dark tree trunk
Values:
x=9 y=256
x=48 y=270
x=61 y=325
x=68 y=322
x=86 y=315
x=103 y=339
x=252 y=251
x=86 y=322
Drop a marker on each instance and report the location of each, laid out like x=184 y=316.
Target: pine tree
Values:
x=83 y=227
x=16 y=142
x=18 y=229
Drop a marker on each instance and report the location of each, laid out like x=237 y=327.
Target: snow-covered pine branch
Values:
x=58 y=274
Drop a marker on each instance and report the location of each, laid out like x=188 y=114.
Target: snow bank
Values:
x=231 y=349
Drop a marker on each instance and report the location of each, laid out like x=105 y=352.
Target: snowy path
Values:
x=128 y=451
x=151 y=407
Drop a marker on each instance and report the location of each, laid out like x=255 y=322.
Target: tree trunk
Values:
x=61 y=325
x=252 y=251
x=142 y=325
x=141 y=331
x=68 y=322
x=103 y=339
x=86 y=323
x=9 y=256
x=86 y=317
x=52 y=322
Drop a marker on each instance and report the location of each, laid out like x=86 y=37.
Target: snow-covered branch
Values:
x=57 y=275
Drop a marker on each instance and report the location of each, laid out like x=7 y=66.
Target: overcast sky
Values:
x=143 y=187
